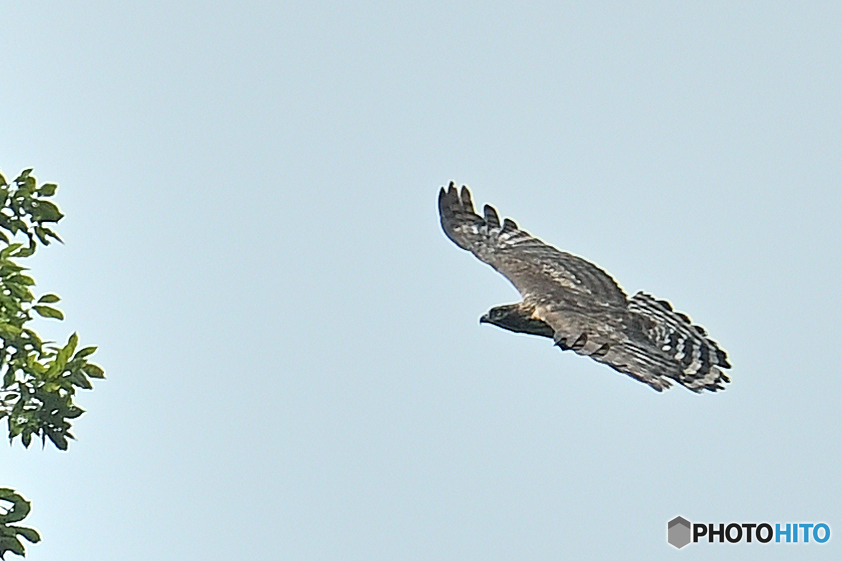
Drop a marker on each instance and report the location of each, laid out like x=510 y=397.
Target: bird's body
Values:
x=580 y=306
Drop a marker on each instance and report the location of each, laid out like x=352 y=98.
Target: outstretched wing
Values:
x=536 y=269
x=639 y=362
x=614 y=337
x=649 y=341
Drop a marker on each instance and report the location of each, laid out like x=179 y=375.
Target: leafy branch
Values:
x=9 y=540
x=39 y=378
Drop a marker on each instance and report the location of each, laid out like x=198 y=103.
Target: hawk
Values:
x=580 y=307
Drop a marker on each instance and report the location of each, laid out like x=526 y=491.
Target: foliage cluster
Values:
x=39 y=378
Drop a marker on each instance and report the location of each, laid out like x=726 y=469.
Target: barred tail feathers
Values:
x=698 y=361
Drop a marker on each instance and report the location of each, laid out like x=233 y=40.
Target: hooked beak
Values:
x=485 y=319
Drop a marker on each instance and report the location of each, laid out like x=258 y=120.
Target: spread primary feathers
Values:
x=580 y=306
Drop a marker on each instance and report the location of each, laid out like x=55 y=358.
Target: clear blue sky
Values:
x=296 y=369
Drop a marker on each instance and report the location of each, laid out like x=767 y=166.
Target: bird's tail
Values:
x=698 y=361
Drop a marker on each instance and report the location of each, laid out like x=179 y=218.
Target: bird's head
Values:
x=514 y=318
x=499 y=315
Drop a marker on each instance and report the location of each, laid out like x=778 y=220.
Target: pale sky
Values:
x=295 y=365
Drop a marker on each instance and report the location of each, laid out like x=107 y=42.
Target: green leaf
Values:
x=20 y=506
x=9 y=267
x=5 y=252
x=78 y=379
x=48 y=299
x=72 y=342
x=42 y=235
x=47 y=189
x=13 y=545
x=93 y=371
x=87 y=351
x=45 y=211
x=57 y=438
x=31 y=535
x=48 y=312
x=74 y=412
x=9 y=329
x=59 y=363
x=34 y=342
x=21 y=279
x=51 y=234
x=26 y=251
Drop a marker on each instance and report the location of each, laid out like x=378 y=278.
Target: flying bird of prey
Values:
x=580 y=307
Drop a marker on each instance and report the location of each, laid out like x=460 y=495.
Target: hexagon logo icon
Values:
x=678 y=532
